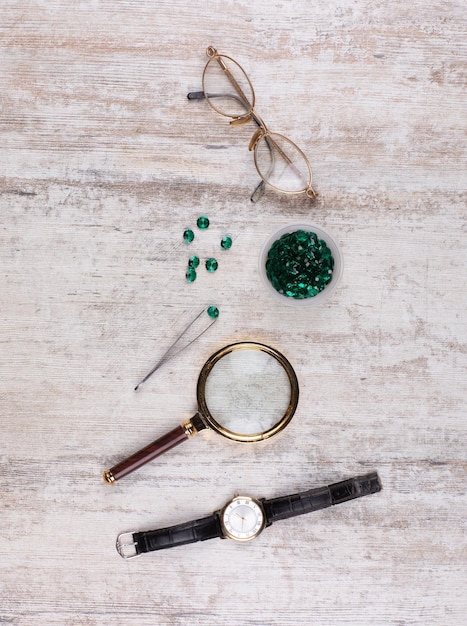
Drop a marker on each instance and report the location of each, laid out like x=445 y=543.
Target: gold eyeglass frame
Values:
x=261 y=133
x=205 y=414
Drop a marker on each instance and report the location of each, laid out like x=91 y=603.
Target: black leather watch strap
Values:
x=179 y=535
x=132 y=544
x=320 y=498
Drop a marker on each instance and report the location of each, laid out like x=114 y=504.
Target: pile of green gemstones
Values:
x=211 y=264
x=299 y=265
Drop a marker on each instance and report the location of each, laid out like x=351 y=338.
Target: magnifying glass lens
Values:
x=247 y=392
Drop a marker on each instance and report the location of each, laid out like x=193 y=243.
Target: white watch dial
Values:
x=242 y=518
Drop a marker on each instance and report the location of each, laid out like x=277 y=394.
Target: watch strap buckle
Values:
x=126 y=546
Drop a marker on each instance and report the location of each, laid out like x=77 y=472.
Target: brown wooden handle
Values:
x=170 y=440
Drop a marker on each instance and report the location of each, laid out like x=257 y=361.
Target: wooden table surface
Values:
x=103 y=163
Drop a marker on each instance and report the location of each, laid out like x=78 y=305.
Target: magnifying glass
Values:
x=246 y=392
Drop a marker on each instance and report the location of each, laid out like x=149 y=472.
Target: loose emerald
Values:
x=193 y=262
x=226 y=243
x=202 y=222
x=188 y=235
x=190 y=275
x=213 y=312
x=211 y=265
x=302 y=236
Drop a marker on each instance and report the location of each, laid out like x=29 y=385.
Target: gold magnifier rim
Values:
x=212 y=423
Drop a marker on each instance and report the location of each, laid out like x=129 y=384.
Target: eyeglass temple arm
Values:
x=235 y=84
x=196 y=95
x=200 y=95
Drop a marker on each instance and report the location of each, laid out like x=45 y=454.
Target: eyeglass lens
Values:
x=227 y=87
x=281 y=163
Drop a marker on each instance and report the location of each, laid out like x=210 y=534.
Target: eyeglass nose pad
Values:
x=254 y=140
x=238 y=121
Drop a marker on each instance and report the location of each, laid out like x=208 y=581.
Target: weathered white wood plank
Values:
x=103 y=163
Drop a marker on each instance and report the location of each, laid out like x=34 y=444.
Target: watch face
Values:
x=242 y=518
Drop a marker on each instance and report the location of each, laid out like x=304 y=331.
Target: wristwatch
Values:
x=243 y=518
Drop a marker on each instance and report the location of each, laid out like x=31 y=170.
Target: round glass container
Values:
x=336 y=273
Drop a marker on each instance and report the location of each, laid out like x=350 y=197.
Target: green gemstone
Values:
x=291 y=267
x=202 y=222
x=193 y=262
x=226 y=243
x=211 y=265
x=188 y=235
x=190 y=275
x=213 y=312
x=302 y=236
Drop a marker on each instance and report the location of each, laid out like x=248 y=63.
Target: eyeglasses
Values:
x=279 y=161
